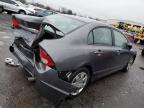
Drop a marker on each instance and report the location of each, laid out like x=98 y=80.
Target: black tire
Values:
x=76 y=73
x=1 y=9
x=129 y=64
x=22 y=12
x=142 y=52
x=9 y=12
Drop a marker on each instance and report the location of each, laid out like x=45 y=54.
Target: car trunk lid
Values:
x=27 y=36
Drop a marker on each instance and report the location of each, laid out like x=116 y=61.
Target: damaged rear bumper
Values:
x=53 y=88
x=47 y=81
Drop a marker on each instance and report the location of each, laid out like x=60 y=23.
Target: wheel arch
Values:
x=21 y=10
x=85 y=65
x=90 y=70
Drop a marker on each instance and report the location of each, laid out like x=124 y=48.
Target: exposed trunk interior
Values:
x=32 y=30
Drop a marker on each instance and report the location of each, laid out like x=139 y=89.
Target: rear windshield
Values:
x=64 y=24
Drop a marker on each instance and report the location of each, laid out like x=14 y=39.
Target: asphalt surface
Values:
x=119 y=90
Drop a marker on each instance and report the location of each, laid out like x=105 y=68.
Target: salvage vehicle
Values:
x=64 y=53
x=14 y=6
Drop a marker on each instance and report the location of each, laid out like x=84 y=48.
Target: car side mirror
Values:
x=129 y=46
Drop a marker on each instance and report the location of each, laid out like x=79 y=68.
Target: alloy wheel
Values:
x=79 y=81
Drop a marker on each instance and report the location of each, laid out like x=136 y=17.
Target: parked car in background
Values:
x=13 y=6
x=43 y=13
x=130 y=35
x=64 y=53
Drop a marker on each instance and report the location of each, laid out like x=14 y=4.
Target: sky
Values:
x=106 y=9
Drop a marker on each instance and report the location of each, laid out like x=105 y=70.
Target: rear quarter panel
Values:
x=71 y=51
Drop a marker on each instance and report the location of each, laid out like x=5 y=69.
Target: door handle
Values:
x=98 y=52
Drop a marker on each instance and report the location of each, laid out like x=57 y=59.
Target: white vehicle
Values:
x=13 y=6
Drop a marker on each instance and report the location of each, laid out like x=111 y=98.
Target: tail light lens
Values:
x=45 y=59
x=15 y=23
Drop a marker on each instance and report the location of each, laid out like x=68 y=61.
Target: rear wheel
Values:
x=79 y=79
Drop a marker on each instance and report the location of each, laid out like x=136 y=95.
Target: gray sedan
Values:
x=64 y=53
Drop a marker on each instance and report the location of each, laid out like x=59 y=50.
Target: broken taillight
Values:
x=46 y=59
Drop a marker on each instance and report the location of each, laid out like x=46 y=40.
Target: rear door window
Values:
x=102 y=36
x=120 y=39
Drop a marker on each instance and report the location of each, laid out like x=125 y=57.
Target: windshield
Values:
x=64 y=24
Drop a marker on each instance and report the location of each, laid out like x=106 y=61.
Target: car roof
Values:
x=85 y=20
x=88 y=20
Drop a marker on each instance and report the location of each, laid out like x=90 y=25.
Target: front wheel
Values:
x=129 y=65
x=142 y=52
x=79 y=79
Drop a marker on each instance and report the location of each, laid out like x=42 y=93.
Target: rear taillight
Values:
x=15 y=23
x=45 y=59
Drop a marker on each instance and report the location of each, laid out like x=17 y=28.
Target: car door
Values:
x=123 y=52
x=102 y=54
